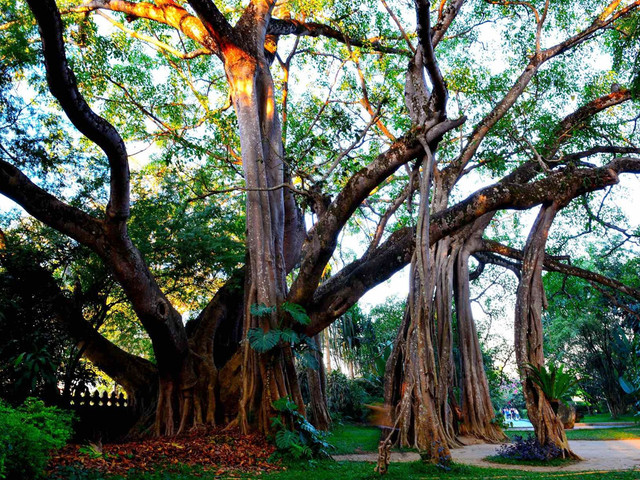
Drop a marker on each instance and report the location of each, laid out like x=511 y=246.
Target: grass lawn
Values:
x=418 y=470
x=624 y=433
x=606 y=418
x=350 y=438
x=329 y=470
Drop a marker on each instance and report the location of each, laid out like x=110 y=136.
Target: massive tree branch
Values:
x=111 y=243
x=69 y=220
x=439 y=90
x=484 y=257
x=552 y=265
x=323 y=237
x=344 y=289
x=568 y=183
x=62 y=84
x=444 y=21
x=169 y=14
x=580 y=117
x=341 y=291
x=294 y=27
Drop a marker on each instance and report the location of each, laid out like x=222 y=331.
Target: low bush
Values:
x=528 y=448
x=28 y=434
x=303 y=441
x=345 y=397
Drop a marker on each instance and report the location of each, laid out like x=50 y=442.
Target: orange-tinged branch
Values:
x=167 y=13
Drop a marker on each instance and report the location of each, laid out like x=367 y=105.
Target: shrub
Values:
x=528 y=449
x=345 y=397
x=28 y=434
x=555 y=383
x=303 y=441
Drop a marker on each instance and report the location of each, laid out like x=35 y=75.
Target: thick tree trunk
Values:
x=318 y=411
x=477 y=409
x=271 y=375
x=416 y=383
x=444 y=264
x=529 y=335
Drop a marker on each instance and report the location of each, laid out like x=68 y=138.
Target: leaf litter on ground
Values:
x=212 y=449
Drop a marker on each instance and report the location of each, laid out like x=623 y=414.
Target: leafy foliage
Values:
x=303 y=441
x=528 y=448
x=36 y=353
x=297 y=312
x=262 y=341
x=261 y=310
x=593 y=331
x=28 y=435
x=345 y=397
x=365 y=340
x=555 y=383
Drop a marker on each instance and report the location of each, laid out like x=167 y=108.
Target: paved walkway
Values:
x=597 y=454
x=525 y=425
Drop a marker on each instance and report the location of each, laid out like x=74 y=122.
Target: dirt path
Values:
x=598 y=455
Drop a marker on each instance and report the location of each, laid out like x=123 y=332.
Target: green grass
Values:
x=421 y=471
x=329 y=470
x=624 y=433
x=350 y=438
x=554 y=462
x=606 y=418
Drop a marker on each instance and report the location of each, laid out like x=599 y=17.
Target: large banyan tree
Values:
x=411 y=128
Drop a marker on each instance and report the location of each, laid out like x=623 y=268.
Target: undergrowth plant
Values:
x=294 y=436
x=555 y=383
x=528 y=448
x=28 y=434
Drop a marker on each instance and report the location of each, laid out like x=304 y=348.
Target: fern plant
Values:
x=555 y=383
x=303 y=441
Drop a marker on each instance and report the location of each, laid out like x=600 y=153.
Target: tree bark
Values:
x=318 y=411
x=529 y=336
x=271 y=375
x=477 y=409
x=416 y=384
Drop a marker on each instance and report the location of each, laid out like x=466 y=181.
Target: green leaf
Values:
x=262 y=341
x=308 y=360
x=289 y=336
x=18 y=360
x=554 y=383
x=297 y=312
x=276 y=423
x=627 y=386
x=261 y=310
x=286 y=439
x=285 y=405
